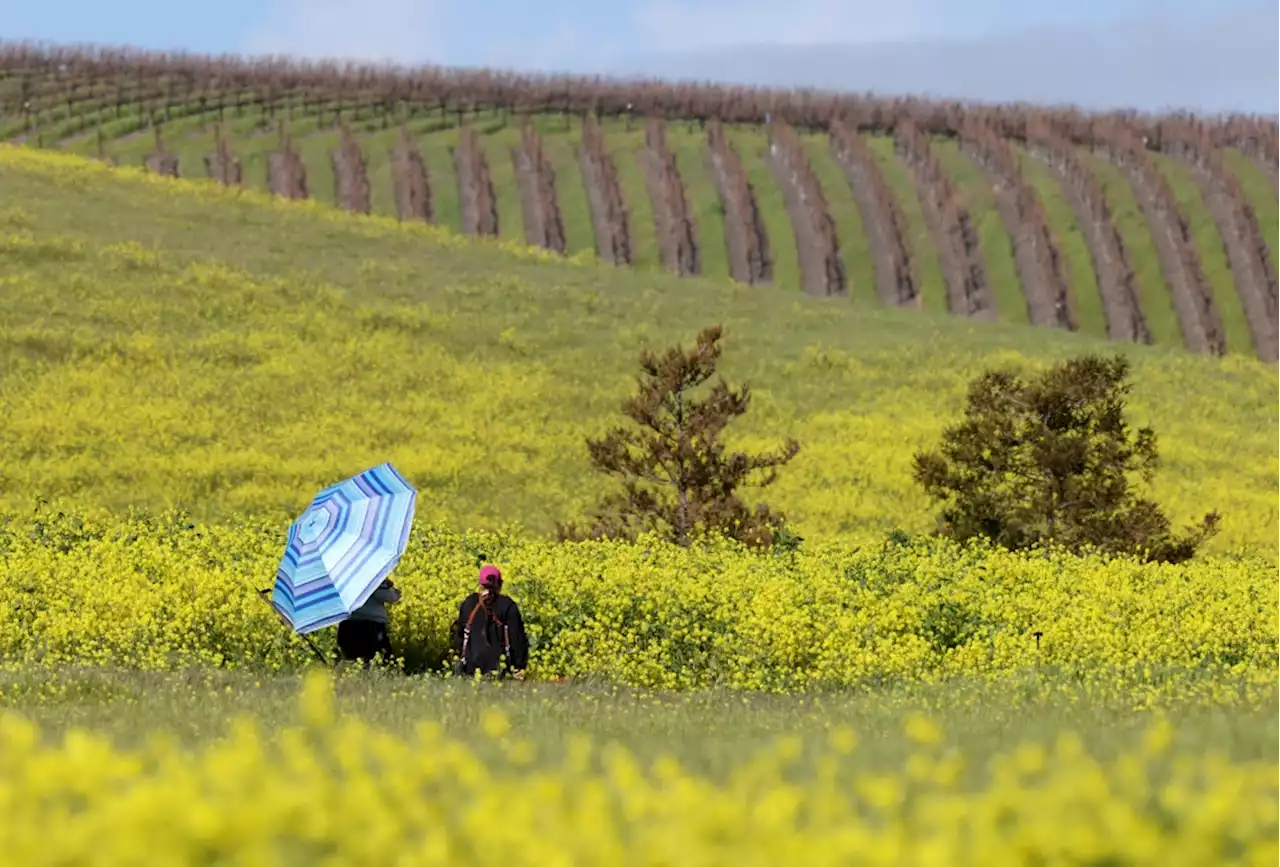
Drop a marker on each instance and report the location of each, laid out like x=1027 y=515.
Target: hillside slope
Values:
x=1140 y=228
x=175 y=342
x=192 y=139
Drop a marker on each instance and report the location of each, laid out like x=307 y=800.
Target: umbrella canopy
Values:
x=343 y=545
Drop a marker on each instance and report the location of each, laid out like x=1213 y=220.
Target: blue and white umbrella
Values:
x=342 y=547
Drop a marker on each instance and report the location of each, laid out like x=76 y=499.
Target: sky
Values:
x=1064 y=51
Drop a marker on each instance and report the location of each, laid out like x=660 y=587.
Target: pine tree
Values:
x=678 y=478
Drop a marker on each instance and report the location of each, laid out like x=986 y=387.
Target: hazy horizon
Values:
x=1096 y=54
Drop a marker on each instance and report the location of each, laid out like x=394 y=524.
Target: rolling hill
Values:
x=171 y=342
x=221 y=347
x=1138 y=228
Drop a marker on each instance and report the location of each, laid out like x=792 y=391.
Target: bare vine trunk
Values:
x=102 y=150
x=161 y=161
x=1112 y=267
x=1245 y=246
x=350 y=175
x=222 y=165
x=1041 y=269
x=882 y=218
x=476 y=198
x=817 y=247
x=1192 y=295
x=543 y=225
x=410 y=181
x=286 y=173
x=673 y=219
x=604 y=195
x=954 y=235
x=745 y=238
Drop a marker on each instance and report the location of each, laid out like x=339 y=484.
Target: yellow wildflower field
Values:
x=340 y=792
x=174 y=343
x=153 y=593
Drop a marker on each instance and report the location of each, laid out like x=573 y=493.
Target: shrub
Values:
x=1049 y=460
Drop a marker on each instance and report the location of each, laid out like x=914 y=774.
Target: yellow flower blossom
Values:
x=156 y=592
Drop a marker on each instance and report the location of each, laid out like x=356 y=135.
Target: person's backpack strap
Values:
x=466 y=630
x=506 y=633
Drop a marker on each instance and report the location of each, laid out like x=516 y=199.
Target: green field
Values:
x=174 y=344
x=131 y=706
x=190 y=135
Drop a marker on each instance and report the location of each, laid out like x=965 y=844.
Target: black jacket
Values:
x=481 y=637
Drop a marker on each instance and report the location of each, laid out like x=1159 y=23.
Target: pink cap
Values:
x=490 y=576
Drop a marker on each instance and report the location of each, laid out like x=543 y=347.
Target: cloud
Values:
x=402 y=31
x=1093 y=52
x=1220 y=60
x=686 y=25
x=556 y=46
x=508 y=34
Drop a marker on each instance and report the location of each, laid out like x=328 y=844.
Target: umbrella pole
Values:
x=262 y=594
x=320 y=656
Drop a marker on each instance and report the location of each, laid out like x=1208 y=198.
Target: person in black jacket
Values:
x=488 y=635
x=363 y=635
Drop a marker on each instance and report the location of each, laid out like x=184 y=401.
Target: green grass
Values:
x=710 y=733
x=497 y=150
x=704 y=200
x=485 y=370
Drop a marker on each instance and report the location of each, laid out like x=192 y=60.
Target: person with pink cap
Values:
x=488 y=635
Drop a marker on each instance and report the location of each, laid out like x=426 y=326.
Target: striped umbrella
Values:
x=343 y=545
